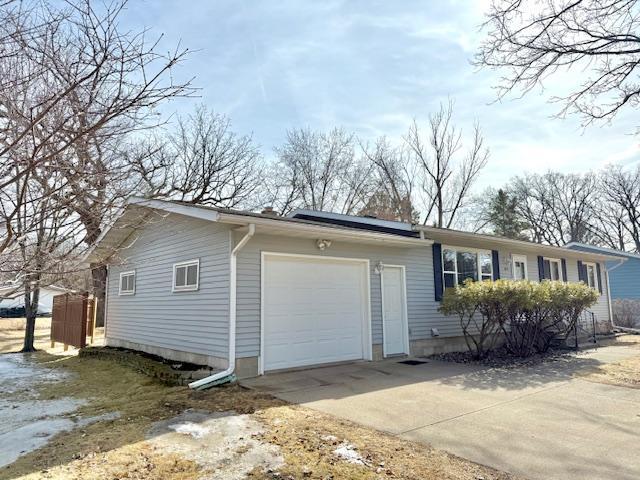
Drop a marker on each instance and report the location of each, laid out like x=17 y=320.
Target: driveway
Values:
x=539 y=422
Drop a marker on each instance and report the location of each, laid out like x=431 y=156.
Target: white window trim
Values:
x=186 y=288
x=126 y=274
x=465 y=249
x=519 y=258
x=595 y=274
x=560 y=272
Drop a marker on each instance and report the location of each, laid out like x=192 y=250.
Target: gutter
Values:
x=228 y=374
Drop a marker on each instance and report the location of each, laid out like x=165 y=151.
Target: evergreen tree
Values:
x=504 y=217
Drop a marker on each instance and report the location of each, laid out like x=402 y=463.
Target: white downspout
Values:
x=215 y=378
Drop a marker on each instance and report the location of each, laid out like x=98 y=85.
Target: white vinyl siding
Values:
x=191 y=321
x=421 y=306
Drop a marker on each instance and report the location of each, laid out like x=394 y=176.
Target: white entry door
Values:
x=394 y=314
x=314 y=310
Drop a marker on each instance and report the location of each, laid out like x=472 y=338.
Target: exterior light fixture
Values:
x=323 y=244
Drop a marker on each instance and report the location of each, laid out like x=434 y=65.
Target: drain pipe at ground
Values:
x=228 y=375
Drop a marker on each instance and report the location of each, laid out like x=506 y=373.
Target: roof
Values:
x=310 y=224
x=16 y=289
x=460 y=235
x=138 y=212
x=609 y=251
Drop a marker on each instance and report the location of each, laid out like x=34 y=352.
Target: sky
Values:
x=370 y=67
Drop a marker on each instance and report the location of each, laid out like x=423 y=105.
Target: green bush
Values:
x=529 y=315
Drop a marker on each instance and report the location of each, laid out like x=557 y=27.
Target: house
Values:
x=252 y=293
x=624 y=278
x=12 y=300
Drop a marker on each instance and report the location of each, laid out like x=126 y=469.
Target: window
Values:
x=552 y=269
x=590 y=274
x=460 y=264
x=185 y=276
x=519 y=263
x=127 y=283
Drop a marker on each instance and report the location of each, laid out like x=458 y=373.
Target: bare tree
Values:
x=558 y=208
x=395 y=179
x=621 y=189
x=202 y=162
x=73 y=84
x=319 y=171
x=530 y=40
x=447 y=174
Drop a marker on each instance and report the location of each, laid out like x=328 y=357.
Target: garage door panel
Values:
x=313 y=311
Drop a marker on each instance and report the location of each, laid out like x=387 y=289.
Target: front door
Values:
x=394 y=315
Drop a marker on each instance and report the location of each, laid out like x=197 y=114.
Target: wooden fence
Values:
x=73 y=319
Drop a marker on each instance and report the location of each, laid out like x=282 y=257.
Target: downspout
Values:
x=228 y=375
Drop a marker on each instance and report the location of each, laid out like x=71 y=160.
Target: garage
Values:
x=314 y=310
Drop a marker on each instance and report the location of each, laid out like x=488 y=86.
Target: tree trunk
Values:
x=99 y=280
x=31 y=301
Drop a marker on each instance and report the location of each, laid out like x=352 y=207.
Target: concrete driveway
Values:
x=538 y=422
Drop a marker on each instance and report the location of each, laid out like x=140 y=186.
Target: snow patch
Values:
x=349 y=453
x=190 y=428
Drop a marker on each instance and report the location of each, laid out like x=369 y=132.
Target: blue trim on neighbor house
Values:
x=624 y=279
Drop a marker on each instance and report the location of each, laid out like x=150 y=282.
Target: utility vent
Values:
x=413 y=362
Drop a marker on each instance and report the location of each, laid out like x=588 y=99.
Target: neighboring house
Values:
x=12 y=300
x=259 y=292
x=624 y=281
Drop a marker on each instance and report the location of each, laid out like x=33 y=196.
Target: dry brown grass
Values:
x=12 y=334
x=304 y=437
x=625 y=373
x=100 y=449
x=116 y=448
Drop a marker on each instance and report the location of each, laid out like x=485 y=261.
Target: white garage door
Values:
x=314 y=311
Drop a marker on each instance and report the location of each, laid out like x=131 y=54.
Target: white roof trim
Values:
x=187 y=210
x=610 y=251
x=551 y=250
x=329 y=231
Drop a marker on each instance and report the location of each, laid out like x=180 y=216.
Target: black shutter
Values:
x=599 y=277
x=564 y=270
x=540 y=267
x=581 y=272
x=437 y=270
x=496 y=264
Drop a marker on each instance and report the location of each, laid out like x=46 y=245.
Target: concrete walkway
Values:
x=538 y=422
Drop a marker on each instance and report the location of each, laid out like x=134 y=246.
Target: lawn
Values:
x=625 y=373
x=308 y=442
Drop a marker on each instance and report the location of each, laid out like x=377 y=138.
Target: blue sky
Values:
x=370 y=67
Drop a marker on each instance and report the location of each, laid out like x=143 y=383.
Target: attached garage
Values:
x=315 y=310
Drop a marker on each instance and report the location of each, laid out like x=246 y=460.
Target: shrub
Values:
x=529 y=315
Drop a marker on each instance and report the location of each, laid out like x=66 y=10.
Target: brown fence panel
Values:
x=58 y=315
x=72 y=318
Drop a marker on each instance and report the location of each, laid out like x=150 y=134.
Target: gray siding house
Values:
x=253 y=293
